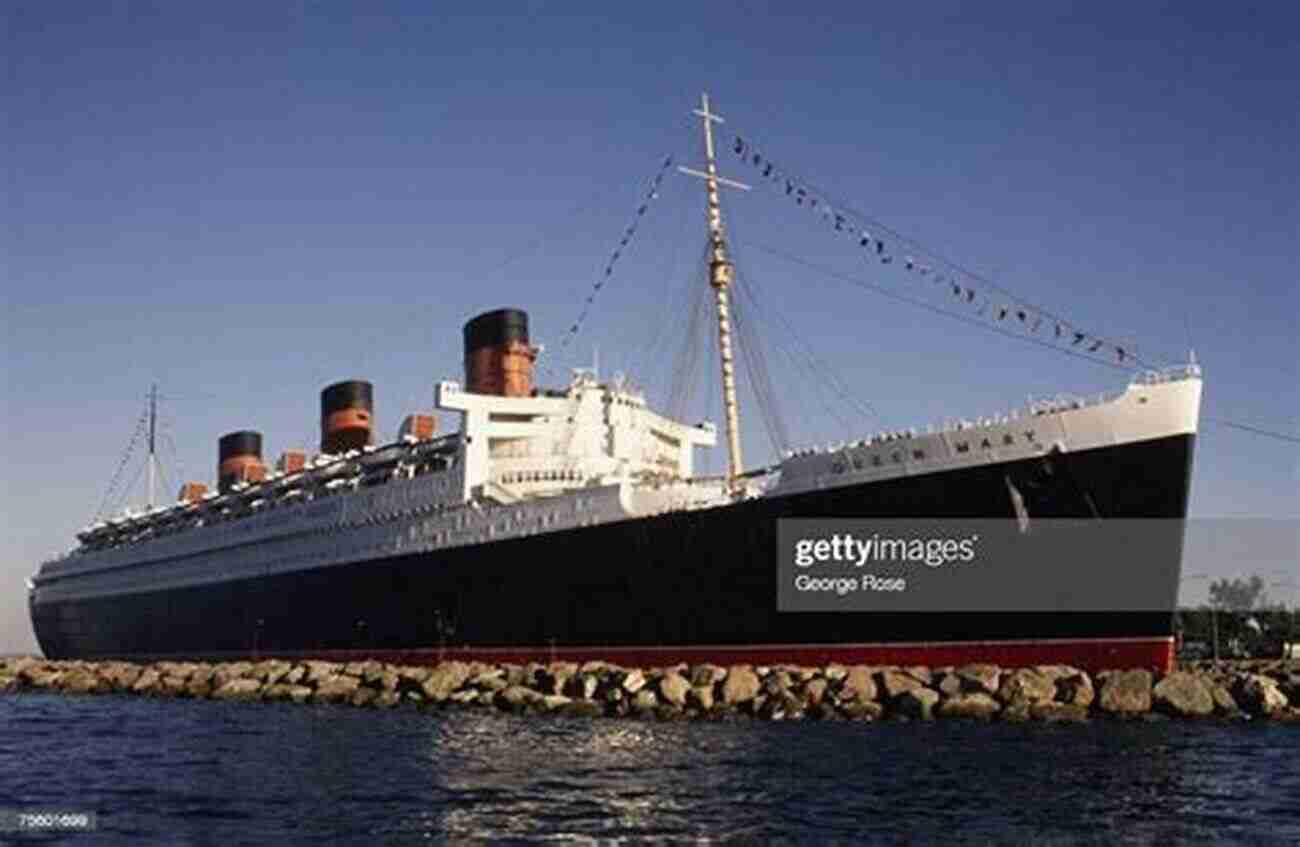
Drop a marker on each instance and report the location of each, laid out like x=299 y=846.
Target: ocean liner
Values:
x=571 y=523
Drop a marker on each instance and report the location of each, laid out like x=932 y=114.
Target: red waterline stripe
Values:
x=1092 y=655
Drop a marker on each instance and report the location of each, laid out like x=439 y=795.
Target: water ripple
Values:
x=164 y=771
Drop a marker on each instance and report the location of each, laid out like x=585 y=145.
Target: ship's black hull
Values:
x=673 y=587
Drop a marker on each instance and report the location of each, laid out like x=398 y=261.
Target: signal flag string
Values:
x=628 y=232
x=140 y=428
x=885 y=246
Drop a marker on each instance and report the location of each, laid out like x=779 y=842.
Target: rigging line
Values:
x=711 y=377
x=932 y=308
x=670 y=307
x=761 y=376
x=812 y=373
x=685 y=374
x=821 y=374
x=126 y=493
x=1281 y=436
x=684 y=300
x=176 y=459
x=820 y=371
x=756 y=359
x=918 y=247
x=763 y=402
x=696 y=356
x=122 y=464
x=166 y=478
x=683 y=351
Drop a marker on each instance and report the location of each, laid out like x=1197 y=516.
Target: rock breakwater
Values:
x=1051 y=693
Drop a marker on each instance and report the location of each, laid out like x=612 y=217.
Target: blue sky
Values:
x=245 y=202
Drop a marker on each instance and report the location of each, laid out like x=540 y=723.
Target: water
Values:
x=178 y=771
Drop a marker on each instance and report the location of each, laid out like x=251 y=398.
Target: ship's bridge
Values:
x=593 y=433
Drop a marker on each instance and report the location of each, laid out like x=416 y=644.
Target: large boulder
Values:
x=173 y=686
x=517 y=698
x=814 y=691
x=921 y=673
x=41 y=676
x=700 y=697
x=82 y=681
x=318 y=670
x=980 y=678
x=1057 y=672
x=337 y=688
x=1184 y=695
x=863 y=711
x=488 y=682
x=1027 y=685
x=1058 y=712
x=147 y=682
x=1224 y=703
x=120 y=675
x=1289 y=684
x=359 y=669
x=238 y=689
x=740 y=686
x=633 y=681
x=706 y=674
x=1125 y=692
x=1260 y=695
x=778 y=682
x=979 y=705
x=583 y=709
x=271 y=671
x=555 y=702
x=859 y=685
x=781 y=706
x=835 y=672
x=231 y=670
x=896 y=683
x=554 y=678
x=673 y=687
x=363 y=696
x=1076 y=690
x=444 y=679
x=645 y=701
x=285 y=691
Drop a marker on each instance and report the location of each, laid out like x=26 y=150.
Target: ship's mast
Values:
x=153 y=426
x=721 y=274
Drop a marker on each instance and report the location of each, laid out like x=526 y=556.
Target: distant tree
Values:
x=1237 y=595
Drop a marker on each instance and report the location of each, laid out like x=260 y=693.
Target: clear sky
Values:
x=247 y=201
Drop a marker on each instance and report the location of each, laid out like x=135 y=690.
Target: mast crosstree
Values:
x=721 y=275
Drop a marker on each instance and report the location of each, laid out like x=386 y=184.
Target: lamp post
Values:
x=1214 y=615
